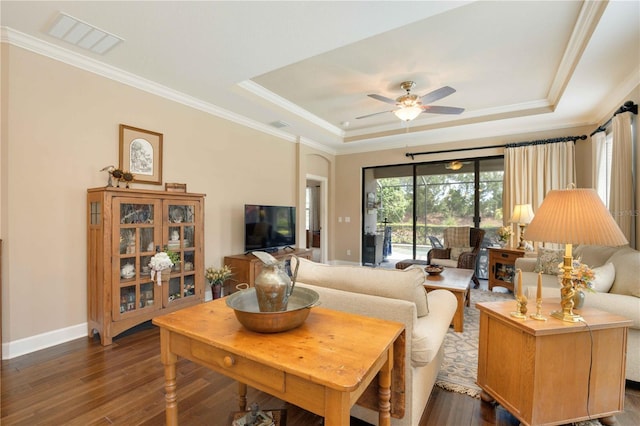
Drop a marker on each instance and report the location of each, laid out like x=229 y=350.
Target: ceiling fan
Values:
x=409 y=106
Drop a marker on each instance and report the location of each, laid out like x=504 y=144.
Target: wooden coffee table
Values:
x=323 y=366
x=457 y=281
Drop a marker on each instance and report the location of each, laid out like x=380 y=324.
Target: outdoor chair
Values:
x=461 y=248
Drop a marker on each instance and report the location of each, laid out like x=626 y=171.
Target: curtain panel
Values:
x=622 y=192
x=530 y=171
x=599 y=178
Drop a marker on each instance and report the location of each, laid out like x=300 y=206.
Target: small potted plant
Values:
x=174 y=256
x=582 y=277
x=504 y=235
x=216 y=278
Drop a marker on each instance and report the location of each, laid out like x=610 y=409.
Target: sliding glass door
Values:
x=418 y=201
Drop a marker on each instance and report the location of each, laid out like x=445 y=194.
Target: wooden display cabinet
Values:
x=246 y=267
x=502 y=266
x=125 y=226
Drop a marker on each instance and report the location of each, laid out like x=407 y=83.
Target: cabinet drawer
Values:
x=245 y=370
x=505 y=257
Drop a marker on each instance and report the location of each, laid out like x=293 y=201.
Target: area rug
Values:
x=460 y=366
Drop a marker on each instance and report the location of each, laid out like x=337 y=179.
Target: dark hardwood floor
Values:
x=83 y=383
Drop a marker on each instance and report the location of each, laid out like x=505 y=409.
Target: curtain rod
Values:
x=509 y=145
x=627 y=106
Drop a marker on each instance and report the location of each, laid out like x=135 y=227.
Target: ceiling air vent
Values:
x=280 y=124
x=81 y=34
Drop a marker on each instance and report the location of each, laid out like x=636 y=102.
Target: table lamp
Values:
x=522 y=215
x=573 y=216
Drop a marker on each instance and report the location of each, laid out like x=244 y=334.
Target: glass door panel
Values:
x=444 y=198
x=490 y=208
x=136 y=232
x=394 y=193
x=182 y=237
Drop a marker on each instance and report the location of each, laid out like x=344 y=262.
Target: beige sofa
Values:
x=396 y=295
x=615 y=267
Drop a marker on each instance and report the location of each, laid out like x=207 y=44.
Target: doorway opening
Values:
x=316 y=216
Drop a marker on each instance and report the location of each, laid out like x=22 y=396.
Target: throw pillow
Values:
x=604 y=276
x=548 y=261
x=457 y=251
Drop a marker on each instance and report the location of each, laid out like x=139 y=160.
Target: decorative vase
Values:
x=216 y=291
x=578 y=299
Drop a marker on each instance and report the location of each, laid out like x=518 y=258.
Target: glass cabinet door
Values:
x=181 y=237
x=138 y=228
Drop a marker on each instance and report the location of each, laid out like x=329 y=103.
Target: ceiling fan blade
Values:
x=375 y=113
x=437 y=94
x=383 y=99
x=434 y=109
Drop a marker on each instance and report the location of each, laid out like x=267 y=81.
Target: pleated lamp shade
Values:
x=575 y=216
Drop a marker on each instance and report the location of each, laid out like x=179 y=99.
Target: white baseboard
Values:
x=42 y=341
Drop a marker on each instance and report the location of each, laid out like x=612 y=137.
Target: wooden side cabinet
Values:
x=246 y=267
x=552 y=372
x=124 y=227
x=502 y=266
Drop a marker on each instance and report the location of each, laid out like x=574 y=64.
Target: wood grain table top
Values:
x=594 y=318
x=332 y=348
x=451 y=279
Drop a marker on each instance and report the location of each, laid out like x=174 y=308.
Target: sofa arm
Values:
x=619 y=304
x=526 y=264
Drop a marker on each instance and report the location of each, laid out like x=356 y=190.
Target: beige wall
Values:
x=59 y=128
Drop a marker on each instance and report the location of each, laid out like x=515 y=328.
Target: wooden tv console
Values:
x=246 y=267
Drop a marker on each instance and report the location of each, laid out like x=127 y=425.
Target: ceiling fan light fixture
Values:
x=454 y=165
x=408 y=113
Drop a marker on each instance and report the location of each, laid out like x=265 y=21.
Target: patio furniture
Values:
x=461 y=247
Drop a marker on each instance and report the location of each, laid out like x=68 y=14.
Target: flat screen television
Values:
x=269 y=227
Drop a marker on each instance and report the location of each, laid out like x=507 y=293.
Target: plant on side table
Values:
x=216 y=278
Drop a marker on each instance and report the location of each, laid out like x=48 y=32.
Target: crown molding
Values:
x=260 y=91
x=588 y=20
x=41 y=47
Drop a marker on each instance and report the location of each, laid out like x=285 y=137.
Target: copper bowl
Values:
x=245 y=305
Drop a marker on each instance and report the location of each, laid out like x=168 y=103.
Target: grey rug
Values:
x=460 y=366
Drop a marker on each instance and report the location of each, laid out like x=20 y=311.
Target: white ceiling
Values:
x=517 y=66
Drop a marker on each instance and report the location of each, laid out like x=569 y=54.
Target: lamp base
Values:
x=566 y=316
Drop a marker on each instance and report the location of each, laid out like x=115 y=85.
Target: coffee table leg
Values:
x=458 y=317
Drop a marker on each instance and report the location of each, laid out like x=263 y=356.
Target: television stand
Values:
x=246 y=267
x=266 y=250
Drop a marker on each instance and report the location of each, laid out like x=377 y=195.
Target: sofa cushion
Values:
x=604 y=276
x=593 y=256
x=406 y=284
x=548 y=261
x=627 y=264
x=457 y=251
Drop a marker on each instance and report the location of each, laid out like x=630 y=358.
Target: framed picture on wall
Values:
x=141 y=154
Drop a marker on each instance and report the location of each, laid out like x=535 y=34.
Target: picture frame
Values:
x=141 y=154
